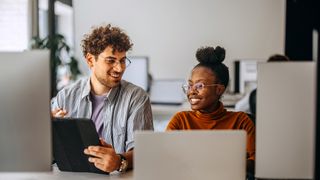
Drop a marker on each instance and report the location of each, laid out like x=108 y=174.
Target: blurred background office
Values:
x=166 y=35
x=169 y=32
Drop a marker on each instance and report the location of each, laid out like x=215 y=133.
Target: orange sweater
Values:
x=219 y=119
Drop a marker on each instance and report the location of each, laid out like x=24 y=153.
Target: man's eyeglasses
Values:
x=197 y=86
x=123 y=62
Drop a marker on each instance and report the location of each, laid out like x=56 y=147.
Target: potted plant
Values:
x=61 y=56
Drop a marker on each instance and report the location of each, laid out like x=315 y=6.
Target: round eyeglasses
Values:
x=123 y=62
x=197 y=86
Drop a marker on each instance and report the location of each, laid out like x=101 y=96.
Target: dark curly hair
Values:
x=278 y=58
x=103 y=36
x=212 y=58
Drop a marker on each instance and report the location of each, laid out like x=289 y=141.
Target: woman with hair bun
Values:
x=208 y=81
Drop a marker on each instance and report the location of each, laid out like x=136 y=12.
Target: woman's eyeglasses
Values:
x=197 y=86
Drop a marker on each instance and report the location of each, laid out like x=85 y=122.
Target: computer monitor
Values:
x=285 y=120
x=167 y=92
x=25 y=125
x=245 y=75
x=138 y=71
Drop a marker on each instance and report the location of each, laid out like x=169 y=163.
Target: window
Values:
x=14 y=23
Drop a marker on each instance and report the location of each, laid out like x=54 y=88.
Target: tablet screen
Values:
x=70 y=137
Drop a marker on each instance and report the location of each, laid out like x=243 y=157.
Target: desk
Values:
x=56 y=174
x=163 y=113
x=229 y=100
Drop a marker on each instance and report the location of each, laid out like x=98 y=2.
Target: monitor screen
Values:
x=137 y=72
x=245 y=76
x=25 y=125
x=167 y=92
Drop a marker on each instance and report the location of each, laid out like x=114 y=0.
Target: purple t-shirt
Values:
x=97 y=114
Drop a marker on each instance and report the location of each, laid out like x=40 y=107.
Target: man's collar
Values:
x=113 y=92
x=111 y=95
x=86 y=89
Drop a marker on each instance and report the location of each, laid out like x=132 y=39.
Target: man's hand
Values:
x=104 y=157
x=58 y=112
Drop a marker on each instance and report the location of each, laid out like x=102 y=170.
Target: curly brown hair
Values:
x=103 y=36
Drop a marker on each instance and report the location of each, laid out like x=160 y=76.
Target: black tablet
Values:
x=70 y=137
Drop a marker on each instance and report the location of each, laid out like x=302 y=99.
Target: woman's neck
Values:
x=212 y=108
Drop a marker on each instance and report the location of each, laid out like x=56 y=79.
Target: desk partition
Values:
x=285 y=121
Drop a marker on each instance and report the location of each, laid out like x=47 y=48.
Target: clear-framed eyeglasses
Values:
x=197 y=86
x=123 y=62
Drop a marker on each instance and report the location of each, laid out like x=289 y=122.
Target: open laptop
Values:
x=25 y=131
x=189 y=155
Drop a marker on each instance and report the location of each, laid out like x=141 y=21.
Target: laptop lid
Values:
x=25 y=133
x=219 y=154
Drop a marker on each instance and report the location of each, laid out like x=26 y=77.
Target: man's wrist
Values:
x=123 y=163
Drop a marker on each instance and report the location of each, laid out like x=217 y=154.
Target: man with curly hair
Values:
x=117 y=107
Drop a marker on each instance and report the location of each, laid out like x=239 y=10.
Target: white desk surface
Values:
x=158 y=109
x=56 y=174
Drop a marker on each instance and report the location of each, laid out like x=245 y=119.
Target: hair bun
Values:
x=210 y=55
x=220 y=53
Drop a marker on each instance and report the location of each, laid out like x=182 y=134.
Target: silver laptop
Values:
x=25 y=133
x=190 y=155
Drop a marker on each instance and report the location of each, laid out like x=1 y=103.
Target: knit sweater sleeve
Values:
x=174 y=123
x=248 y=125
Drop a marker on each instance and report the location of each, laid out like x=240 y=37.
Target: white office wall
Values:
x=170 y=31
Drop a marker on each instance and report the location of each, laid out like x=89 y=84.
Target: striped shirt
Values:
x=126 y=109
